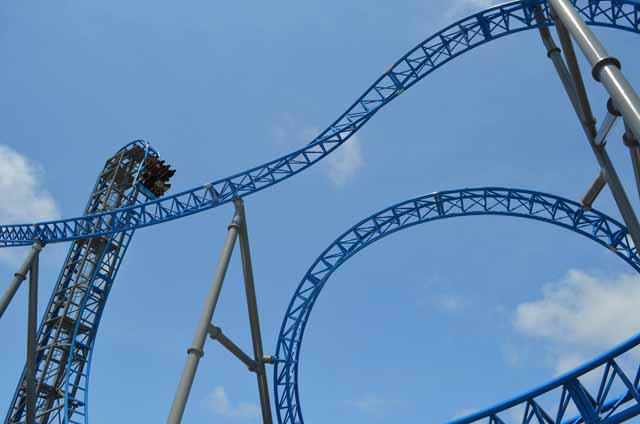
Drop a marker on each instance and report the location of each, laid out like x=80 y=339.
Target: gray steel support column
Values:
x=19 y=277
x=555 y=55
x=252 y=306
x=634 y=150
x=599 y=150
x=195 y=352
x=32 y=329
x=606 y=69
x=574 y=69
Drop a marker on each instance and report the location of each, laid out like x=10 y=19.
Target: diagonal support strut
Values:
x=574 y=87
x=237 y=230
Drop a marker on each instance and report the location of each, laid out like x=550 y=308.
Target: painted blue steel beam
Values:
x=70 y=323
x=426 y=57
x=608 y=404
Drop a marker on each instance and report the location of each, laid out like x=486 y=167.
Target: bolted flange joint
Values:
x=195 y=350
x=599 y=66
x=612 y=109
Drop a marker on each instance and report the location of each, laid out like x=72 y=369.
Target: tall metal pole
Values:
x=583 y=110
x=254 y=321
x=195 y=352
x=19 y=277
x=574 y=69
x=32 y=329
x=605 y=68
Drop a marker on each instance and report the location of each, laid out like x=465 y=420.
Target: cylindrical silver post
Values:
x=32 y=329
x=574 y=69
x=19 y=277
x=195 y=352
x=605 y=68
x=588 y=125
x=254 y=321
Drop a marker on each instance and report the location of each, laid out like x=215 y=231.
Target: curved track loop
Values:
x=423 y=59
x=554 y=402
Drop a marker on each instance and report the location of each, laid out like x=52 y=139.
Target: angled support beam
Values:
x=634 y=150
x=254 y=321
x=607 y=124
x=216 y=334
x=588 y=124
x=195 y=352
x=19 y=277
x=594 y=191
x=555 y=55
x=605 y=69
x=237 y=231
x=569 y=52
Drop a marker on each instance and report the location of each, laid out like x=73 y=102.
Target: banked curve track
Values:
x=567 y=399
x=426 y=57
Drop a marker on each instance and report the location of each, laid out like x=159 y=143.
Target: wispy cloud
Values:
x=449 y=303
x=460 y=8
x=24 y=197
x=581 y=315
x=218 y=403
x=583 y=310
x=340 y=166
x=374 y=405
x=287 y=133
x=345 y=162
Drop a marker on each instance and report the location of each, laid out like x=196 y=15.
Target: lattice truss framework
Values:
x=67 y=332
x=423 y=59
x=613 y=400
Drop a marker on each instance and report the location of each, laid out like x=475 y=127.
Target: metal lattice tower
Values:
x=67 y=332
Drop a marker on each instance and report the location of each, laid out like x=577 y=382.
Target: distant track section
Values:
x=426 y=57
x=616 y=396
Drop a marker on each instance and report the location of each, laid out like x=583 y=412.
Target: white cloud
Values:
x=450 y=303
x=345 y=162
x=24 y=198
x=373 y=405
x=566 y=362
x=341 y=165
x=286 y=132
x=583 y=310
x=218 y=402
x=581 y=316
x=517 y=355
x=460 y=8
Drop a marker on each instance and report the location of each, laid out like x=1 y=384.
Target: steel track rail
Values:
x=426 y=57
x=604 y=405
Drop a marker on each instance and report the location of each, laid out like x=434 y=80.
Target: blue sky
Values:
x=433 y=323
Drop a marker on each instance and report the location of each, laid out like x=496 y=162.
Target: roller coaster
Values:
x=129 y=194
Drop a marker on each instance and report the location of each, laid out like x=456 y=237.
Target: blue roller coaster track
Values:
x=117 y=224
x=604 y=406
x=426 y=57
